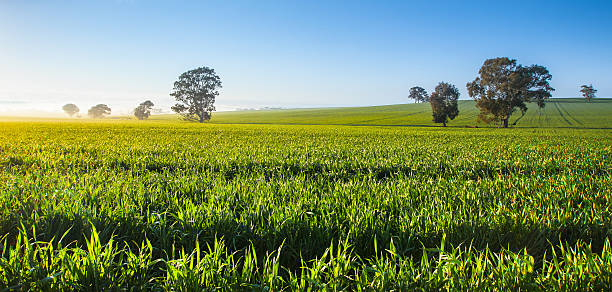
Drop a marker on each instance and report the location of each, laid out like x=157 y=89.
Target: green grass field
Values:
x=92 y=205
x=573 y=113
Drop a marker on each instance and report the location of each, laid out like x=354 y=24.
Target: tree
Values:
x=196 y=91
x=418 y=94
x=70 y=109
x=99 y=111
x=504 y=86
x=588 y=92
x=444 y=103
x=143 y=111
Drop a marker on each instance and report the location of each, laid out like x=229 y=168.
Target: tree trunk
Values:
x=507 y=118
x=443 y=124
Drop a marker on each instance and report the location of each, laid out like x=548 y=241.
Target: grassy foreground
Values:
x=179 y=206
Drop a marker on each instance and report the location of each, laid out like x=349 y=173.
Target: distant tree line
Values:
x=501 y=87
x=141 y=112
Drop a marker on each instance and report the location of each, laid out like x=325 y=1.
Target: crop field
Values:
x=166 y=205
x=566 y=113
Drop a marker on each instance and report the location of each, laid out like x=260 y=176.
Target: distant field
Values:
x=184 y=207
x=558 y=113
x=573 y=113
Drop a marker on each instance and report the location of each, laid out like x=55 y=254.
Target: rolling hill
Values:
x=571 y=113
x=558 y=113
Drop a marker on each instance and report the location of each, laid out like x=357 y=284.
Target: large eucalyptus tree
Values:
x=503 y=86
x=195 y=91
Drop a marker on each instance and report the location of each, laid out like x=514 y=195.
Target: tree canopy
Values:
x=418 y=94
x=444 y=103
x=503 y=85
x=143 y=110
x=195 y=91
x=71 y=109
x=99 y=111
x=588 y=92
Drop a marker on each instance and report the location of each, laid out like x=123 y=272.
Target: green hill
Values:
x=573 y=113
x=558 y=113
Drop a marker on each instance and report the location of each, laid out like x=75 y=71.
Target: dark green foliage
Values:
x=195 y=92
x=70 y=109
x=143 y=110
x=504 y=86
x=418 y=94
x=588 y=92
x=99 y=111
x=444 y=103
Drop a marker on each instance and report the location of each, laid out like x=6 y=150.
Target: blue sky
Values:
x=287 y=53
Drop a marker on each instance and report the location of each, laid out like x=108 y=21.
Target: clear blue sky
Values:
x=288 y=53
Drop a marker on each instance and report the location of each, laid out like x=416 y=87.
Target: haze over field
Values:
x=286 y=54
